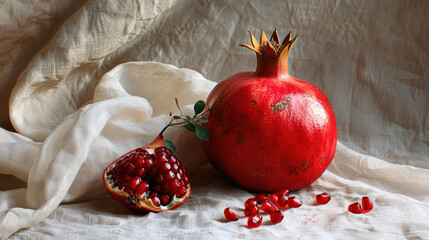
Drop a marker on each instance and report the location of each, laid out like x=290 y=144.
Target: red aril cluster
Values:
x=150 y=178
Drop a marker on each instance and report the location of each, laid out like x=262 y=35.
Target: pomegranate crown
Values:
x=272 y=47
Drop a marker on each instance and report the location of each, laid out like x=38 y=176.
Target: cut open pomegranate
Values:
x=148 y=179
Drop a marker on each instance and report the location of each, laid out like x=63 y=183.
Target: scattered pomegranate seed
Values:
x=251 y=210
x=323 y=198
x=293 y=202
x=366 y=205
x=250 y=202
x=261 y=197
x=268 y=207
x=254 y=221
x=355 y=208
x=276 y=217
x=284 y=192
x=230 y=215
x=273 y=198
x=282 y=201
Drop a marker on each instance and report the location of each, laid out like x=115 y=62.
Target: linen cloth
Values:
x=102 y=79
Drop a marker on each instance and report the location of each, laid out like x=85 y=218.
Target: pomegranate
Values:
x=268 y=129
x=151 y=178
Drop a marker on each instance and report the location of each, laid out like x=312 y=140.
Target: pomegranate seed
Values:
x=155 y=200
x=172 y=159
x=284 y=192
x=120 y=169
x=282 y=201
x=276 y=217
x=268 y=207
x=165 y=199
x=175 y=167
x=129 y=167
x=141 y=150
x=121 y=185
x=273 y=198
x=185 y=180
x=181 y=192
x=168 y=176
x=160 y=157
x=142 y=188
x=293 y=202
x=137 y=161
x=148 y=162
x=323 y=198
x=366 y=205
x=127 y=177
x=261 y=197
x=230 y=215
x=132 y=184
x=175 y=185
x=250 y=202
x=250 y=210
x=139 y=172
x=164 y=167
x=355 y=208
x=254 y=221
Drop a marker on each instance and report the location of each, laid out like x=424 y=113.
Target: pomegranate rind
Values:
x=140 y=203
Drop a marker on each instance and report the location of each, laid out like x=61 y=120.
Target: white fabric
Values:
x=98 y=85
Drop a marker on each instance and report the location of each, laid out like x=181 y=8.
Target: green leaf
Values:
x=203 y=120
x=190 y=127
x=199 y=107
x=169 y=145
x=202 y=132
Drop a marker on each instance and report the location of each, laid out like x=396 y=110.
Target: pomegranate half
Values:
x=269 y=130
x=148 y=179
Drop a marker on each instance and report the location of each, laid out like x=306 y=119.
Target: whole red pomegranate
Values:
x=268 y=129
